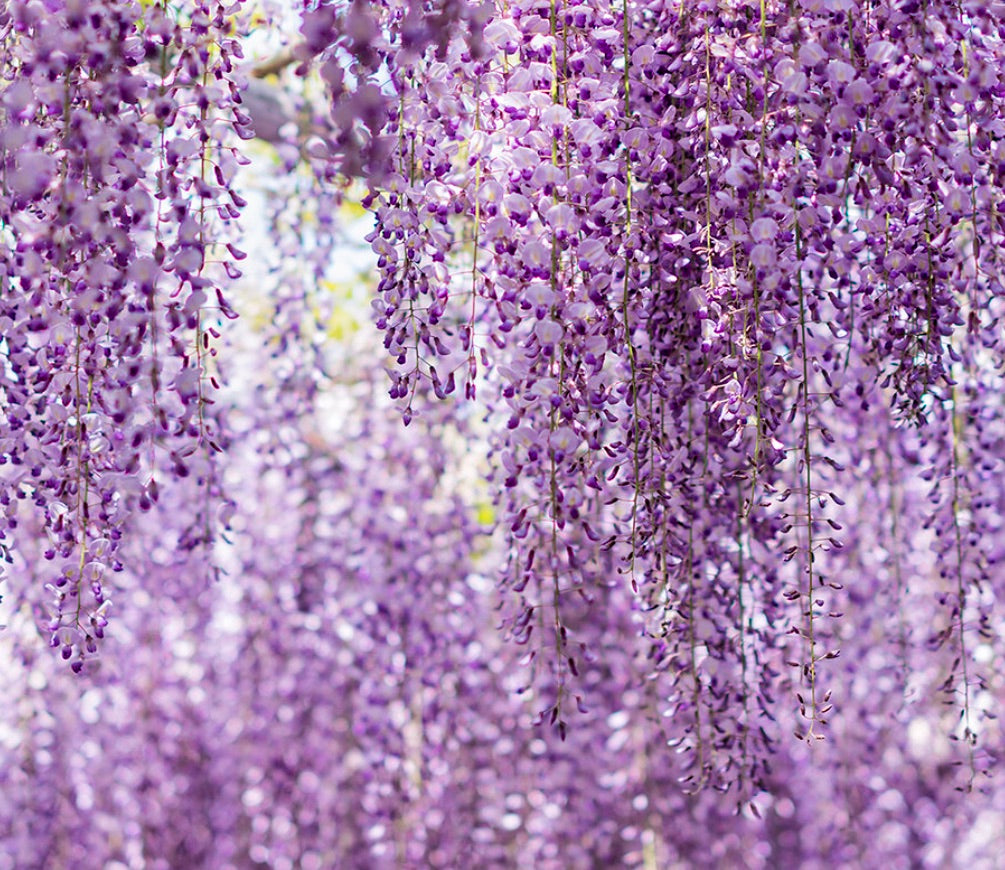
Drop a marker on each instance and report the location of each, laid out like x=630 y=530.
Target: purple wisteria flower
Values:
x=691 y=553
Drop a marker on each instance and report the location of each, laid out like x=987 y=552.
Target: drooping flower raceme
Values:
x=688 y=240
x=116 y=196
x=715 y=290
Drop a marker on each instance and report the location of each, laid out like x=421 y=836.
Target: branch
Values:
x=274 y=65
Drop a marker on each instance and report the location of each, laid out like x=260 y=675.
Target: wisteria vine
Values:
x=690 y=550
x=688 y=241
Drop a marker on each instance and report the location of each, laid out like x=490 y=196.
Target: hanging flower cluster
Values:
x=711 y=290
x=116 y=192
x=695 y=244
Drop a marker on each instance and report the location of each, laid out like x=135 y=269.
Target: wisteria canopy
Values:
x=638 y=502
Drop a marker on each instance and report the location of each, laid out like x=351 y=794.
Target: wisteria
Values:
x=117 y=186
x=654 y=521
x=701 y=241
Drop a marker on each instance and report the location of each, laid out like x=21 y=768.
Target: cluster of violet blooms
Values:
x=713 y=286
x=117 y=191
x=723 y=262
